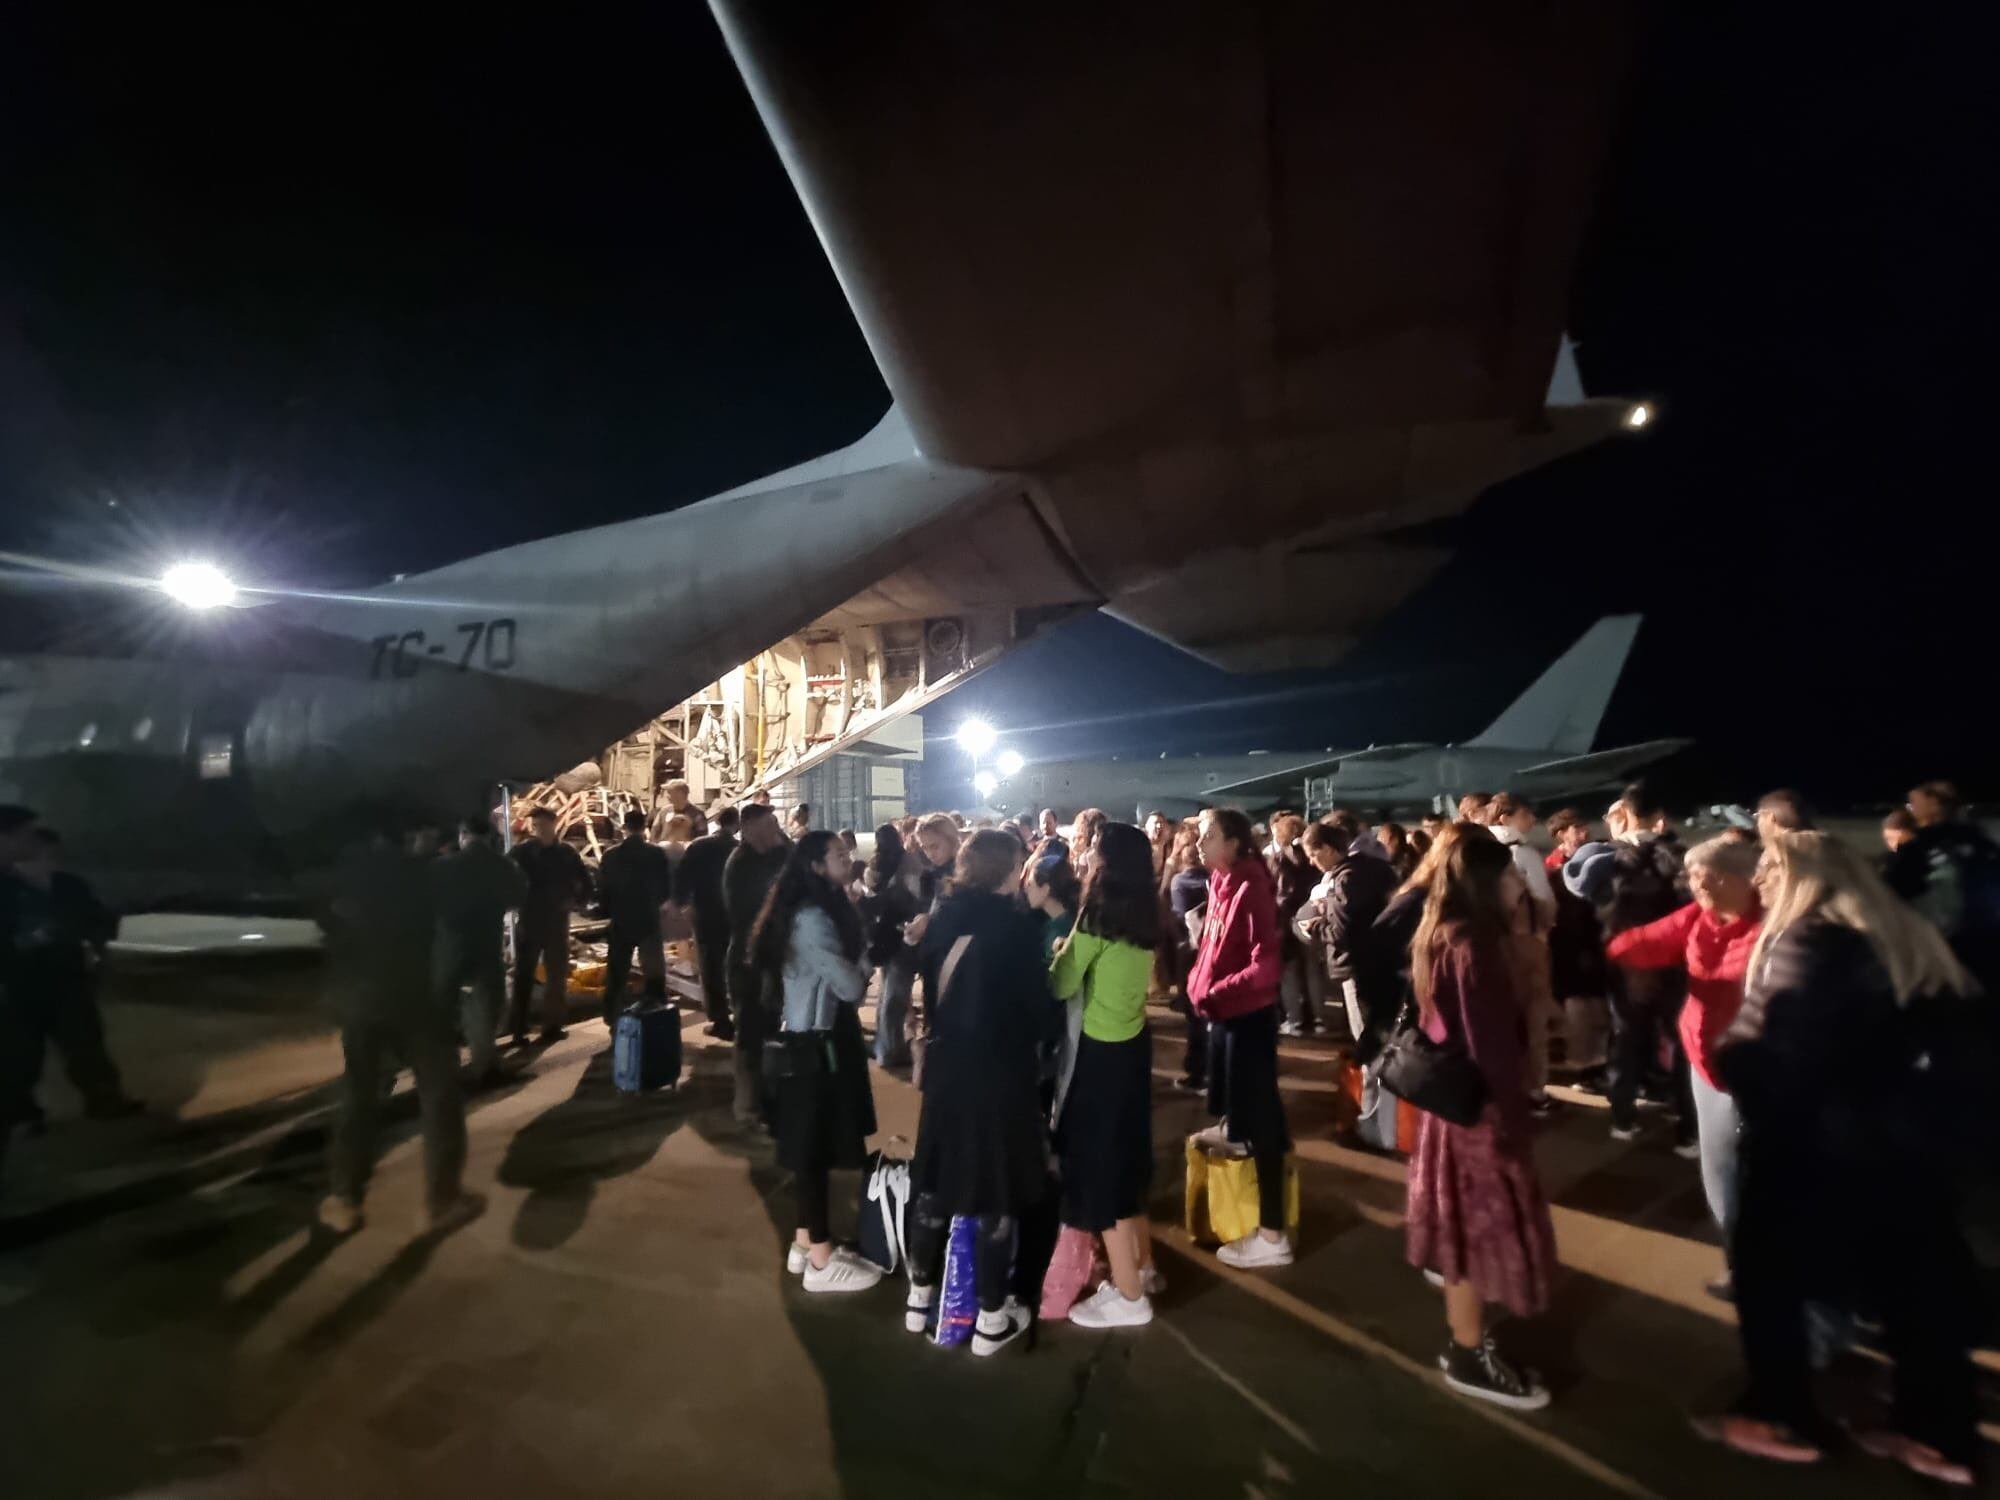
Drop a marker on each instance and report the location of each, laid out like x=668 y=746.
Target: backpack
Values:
x=1646 y=885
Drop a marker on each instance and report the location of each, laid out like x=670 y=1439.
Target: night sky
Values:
x=342 y=300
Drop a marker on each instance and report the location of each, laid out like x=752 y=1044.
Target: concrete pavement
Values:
x=619 y=1323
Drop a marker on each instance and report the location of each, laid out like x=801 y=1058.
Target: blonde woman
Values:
x=1844 y=1180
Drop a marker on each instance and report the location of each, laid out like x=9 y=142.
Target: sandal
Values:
x=1758 y=1439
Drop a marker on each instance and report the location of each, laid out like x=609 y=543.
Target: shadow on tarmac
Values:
x=593 y=1136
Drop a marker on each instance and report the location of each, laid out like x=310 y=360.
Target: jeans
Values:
x=1194 y=1057
x=1297 y=992
x=1719 y=1127
x=1644 y=1003
x=422 y=1040
x=892 y=1014
x=930 y=1229
x=472 y=962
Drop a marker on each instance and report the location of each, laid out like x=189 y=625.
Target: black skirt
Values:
x=982 y=1136
x=1105 y=1136
x=825 y=1105
x=1243 y=1079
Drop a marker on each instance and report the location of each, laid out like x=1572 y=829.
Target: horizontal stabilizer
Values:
x=1607 y=765
x=1269 y=780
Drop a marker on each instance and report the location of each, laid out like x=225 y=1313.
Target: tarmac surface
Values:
x=620 y=1324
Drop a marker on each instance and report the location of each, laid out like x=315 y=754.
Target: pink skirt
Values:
x=1476 y=1213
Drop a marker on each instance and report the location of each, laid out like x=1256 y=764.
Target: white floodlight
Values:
x=1011 y=762
x=1639 y=416
x=976 y=736
x=986 y=784
x=198 y=585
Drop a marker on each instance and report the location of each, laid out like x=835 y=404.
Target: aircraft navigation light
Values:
x=198 y=585
x=1011 y=762
x=976 y=736
x=1638 y=416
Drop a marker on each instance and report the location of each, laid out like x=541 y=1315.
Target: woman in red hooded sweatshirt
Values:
x=1234 y=987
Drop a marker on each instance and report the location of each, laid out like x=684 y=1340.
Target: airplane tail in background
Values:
x=1563 y=707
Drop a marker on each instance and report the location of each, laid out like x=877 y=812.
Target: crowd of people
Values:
x=1812 y=1022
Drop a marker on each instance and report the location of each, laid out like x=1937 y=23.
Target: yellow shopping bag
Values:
x=1222 y=1196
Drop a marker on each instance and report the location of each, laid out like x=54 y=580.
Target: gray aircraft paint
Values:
x=1538 y=746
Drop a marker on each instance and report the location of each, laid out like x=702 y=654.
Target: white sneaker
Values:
x=1255 y=1253
x=842 y=1273
x=1110 y=1309
x=996 y=1330
x=1688 y=1150
x=1435 y=1278
x=1624 y=1132
x=917 y=1310
x=1152 y=1283
x=795 y=1259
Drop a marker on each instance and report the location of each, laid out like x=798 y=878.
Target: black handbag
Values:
x=1439 y=1078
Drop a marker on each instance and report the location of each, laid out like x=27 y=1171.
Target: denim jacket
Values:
x=819 y=978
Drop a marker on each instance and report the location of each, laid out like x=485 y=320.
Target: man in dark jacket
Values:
x=475 y=889
x=761 y=851
x=557 y=884
x=1339 y=914
x=53 y=931
x=634 y=880
x=698 y=888
x=1950 y=871
x=1636 y=879
x=381 y=927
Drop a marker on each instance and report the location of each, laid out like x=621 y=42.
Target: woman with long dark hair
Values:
x=1104 y=1120
x=809 y=938
x=1841 y=1062
x=1234 y=988
x=894 y=889
x=980 y=1147
x=1475 y=1211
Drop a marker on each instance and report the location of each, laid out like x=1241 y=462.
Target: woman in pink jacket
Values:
x=1234 y=987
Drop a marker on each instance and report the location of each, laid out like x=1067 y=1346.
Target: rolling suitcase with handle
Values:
x=646 y=1052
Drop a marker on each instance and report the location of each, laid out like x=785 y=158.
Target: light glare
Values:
x=198 y=585
x=1638 y=416
x=977 y=736
x=986 y=784
x=1011 y=762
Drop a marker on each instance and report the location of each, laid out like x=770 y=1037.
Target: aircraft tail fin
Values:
x=1563 y=707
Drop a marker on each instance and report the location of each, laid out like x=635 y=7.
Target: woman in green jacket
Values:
x=1104 y=1132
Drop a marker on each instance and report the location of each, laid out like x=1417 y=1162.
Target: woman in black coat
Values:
x=1845 y=1181
x=981 y=1148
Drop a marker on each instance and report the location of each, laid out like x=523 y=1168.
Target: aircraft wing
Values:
x=1604 y=765
x=1240 y=290
x=1271 y=780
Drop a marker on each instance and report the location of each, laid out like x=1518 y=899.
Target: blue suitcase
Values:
x=646 y=1053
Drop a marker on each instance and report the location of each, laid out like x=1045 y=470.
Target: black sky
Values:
x=346 y=299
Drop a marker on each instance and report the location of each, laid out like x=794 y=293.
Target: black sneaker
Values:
x=1722 y=1289
x=1192 y=1083
x=1542 y=1107
x=1483 y=1375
